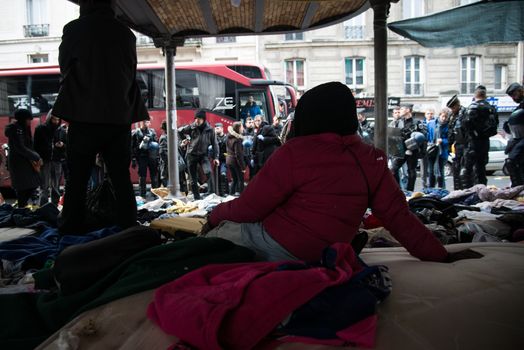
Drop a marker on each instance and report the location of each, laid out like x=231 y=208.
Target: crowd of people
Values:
x=221 y=157
x=465 y=131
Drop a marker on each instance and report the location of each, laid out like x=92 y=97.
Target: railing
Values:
x=226 y=39
x=193 y=42
x=354 y=32
x=36 y=30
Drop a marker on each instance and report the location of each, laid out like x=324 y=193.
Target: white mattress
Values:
x=470 y=304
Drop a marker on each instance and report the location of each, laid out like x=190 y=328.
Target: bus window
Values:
x=157 y=90
x=143 y=84
x=197 y=90
x=13 y=94
x=259 y=97
x=35 y=92
x=248 y=71
x=43 y=90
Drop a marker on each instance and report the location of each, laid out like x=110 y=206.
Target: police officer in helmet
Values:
x=458 y=137
x=515 y=126
x=480 y=123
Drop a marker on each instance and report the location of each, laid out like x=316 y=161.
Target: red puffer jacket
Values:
x=311 y=193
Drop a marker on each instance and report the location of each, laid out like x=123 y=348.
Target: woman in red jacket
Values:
x=313 y=191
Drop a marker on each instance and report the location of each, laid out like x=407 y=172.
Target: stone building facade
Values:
x=30 y=34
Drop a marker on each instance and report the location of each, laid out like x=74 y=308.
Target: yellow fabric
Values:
x=171 y=225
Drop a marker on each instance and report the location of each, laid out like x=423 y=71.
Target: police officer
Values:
x=145 y=152
x=222 y=141
x=515 y=126
x=202 y=135
x=457 y=137
x=479 y=127
x=414 y=135
x=516 y=92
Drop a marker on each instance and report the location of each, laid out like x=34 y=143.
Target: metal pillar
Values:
x=520 y=62
x=380 y=14
x=171 y=123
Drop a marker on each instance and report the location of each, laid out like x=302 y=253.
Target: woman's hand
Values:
x=463 y=254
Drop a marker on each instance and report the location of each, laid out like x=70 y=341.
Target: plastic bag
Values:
x=101 y=204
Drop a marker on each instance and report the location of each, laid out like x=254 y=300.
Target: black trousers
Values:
x=238 y=179
x=411 y=161
x=458 y=162
x=475 y=156
x=23 y=196
x=193 y=162
x=84 y=141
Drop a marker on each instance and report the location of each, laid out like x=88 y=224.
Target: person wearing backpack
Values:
x=515 y=126
x=480 y=123
x=457 y=137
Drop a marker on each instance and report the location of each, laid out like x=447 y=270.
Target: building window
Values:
x=354 y=28
x=413 y=81
x=37 y=19
x=226 y=39
x=39 y=58
x=295 y=72
x=412 y=8
x=354 y=72
x=501 y=80
x=469 y=74
x=294 y=36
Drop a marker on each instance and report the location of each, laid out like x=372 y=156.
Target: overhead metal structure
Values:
x=169 y=22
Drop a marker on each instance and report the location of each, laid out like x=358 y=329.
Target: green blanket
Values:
x=28 y=319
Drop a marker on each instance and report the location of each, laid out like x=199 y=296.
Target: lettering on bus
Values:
x=224 y=103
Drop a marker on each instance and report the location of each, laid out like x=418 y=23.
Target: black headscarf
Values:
x=329 y=107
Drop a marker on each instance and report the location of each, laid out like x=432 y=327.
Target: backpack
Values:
x=482 y=120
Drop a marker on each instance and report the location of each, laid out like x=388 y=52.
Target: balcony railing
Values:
x=354 y=32
x=193 y=42
x=226 y=39
x=36 y=30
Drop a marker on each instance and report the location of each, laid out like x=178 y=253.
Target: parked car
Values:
x=497 y=145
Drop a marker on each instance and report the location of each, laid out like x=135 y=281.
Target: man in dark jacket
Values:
x=265 y=143
x=515 y=126
x=222 y=175
x=145 y=153
x=202 y=136
x=414 y=136
x=476 y=155
x=46 y=141
x=458 y=137
x=249 y=135
x=22 y=159
x=98 y=96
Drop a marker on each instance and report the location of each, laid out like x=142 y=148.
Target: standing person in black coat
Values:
x=265 y=143
x=223 y=187
x=478 y=125
x=98 y=96
x=249 y=135
x=145 y=153
x=414 y=137
x=22 y=159
x=201 y=137
x=46 y=141
x=235 y=157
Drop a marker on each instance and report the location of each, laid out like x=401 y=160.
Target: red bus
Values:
x=220 y=88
